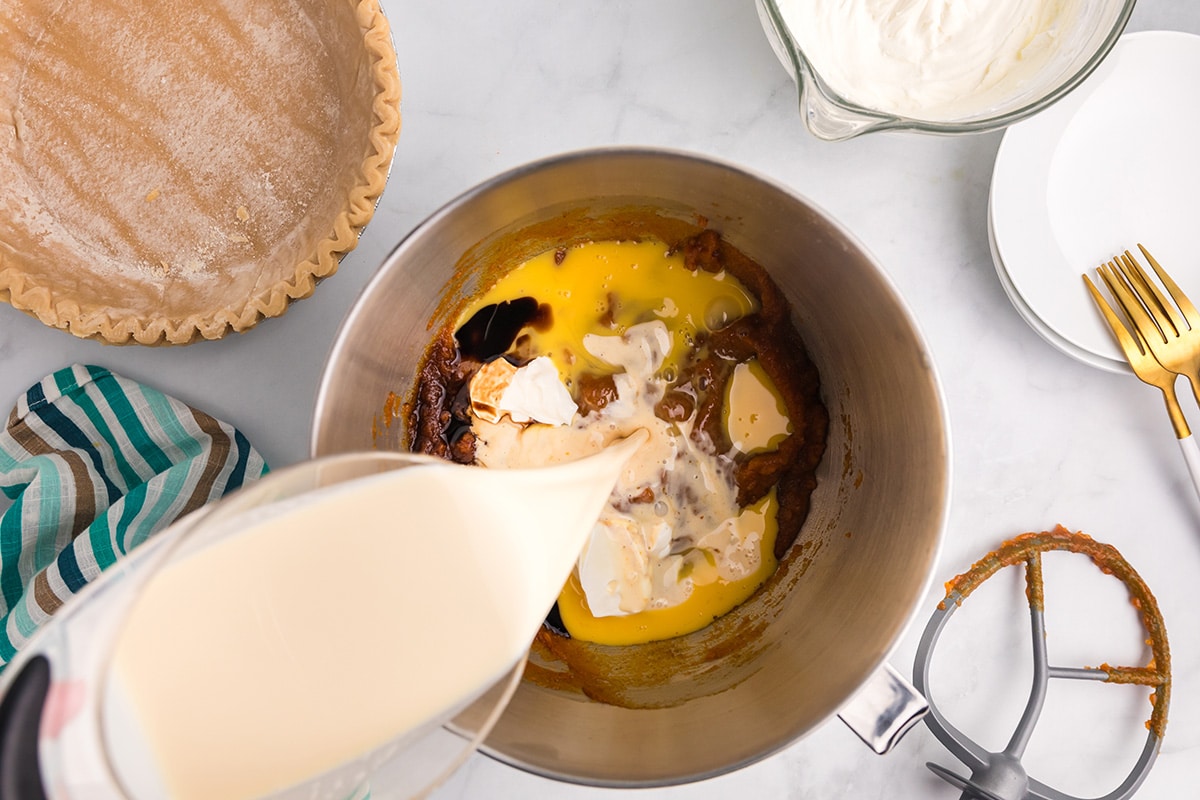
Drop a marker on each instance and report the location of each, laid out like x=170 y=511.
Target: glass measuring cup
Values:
x=828 y=115
x=66 y=737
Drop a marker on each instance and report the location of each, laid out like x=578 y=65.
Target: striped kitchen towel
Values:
x=93 y=464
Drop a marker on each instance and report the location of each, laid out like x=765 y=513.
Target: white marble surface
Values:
x=1037 y=438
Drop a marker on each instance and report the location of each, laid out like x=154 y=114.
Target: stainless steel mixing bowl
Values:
x=788 y=659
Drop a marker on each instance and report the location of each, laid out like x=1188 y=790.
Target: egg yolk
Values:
x=607 y=287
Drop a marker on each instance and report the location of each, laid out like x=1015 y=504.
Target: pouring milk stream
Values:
x=342 y=620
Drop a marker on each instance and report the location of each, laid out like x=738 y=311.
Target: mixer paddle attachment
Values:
x=1001 y=776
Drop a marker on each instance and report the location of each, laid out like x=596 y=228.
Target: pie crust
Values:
x=171 y=170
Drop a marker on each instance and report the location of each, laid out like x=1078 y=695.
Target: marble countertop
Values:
x=1038 y=438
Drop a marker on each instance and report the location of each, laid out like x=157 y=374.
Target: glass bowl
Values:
x=832 y=117
x=410 y=766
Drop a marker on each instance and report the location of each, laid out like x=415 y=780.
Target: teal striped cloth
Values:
x=93 y=465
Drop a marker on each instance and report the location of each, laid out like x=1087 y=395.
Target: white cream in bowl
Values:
x=936 y=60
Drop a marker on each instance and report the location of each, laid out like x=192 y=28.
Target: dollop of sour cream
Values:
x=936 y=60
x=532 y=393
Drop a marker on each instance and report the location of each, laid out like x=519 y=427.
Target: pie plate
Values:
x=173 y=170
x=1113 y=164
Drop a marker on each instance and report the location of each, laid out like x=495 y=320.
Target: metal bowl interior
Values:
x=787 y=659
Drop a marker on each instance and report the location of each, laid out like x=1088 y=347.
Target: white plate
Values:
x=1114 y=163
x=1041 y=328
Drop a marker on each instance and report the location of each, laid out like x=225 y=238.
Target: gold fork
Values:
x=1136 y=342
x=1171 y=327
x=1143 y=362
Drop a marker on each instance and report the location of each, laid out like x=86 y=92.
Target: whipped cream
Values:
x=532 y=393
x=935 y=60
x=672 y=521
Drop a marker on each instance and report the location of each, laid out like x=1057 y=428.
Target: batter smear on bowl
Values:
x=583 y=345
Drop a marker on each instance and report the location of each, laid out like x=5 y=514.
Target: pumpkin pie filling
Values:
x=172 y=170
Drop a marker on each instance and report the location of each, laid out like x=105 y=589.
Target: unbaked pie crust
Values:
x=172 y=170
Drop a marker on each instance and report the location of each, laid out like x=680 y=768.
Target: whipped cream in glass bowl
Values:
x=937 y=66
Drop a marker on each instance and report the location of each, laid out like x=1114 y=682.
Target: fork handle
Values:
x=1191 y=455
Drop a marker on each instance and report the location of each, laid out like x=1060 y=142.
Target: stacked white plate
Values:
x=1115 y=163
